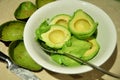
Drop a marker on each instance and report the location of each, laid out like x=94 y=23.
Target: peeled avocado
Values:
x=74 y=35
x=77 y=49
x=56 y=36
x=89 y=54
x=61 y=19
x=82 y=25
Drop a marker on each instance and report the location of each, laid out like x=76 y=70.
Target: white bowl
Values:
x=106 y=34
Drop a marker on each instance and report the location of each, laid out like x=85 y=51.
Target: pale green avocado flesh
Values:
x=86 y=51
x=82 y=25
x=56 y=36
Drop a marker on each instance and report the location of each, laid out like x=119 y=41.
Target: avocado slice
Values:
x=89 y=54
x=82 y=25
x=56 y=36
x=24 y=10
x=20 y=56
x=40 y=3
x=61 y=19
x=12 y=30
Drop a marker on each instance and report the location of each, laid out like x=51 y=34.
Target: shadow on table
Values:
x=91 y=75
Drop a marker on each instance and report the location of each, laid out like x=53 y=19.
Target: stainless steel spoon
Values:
x=84 y=62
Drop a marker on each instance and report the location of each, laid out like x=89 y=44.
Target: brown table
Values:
x=111 y=7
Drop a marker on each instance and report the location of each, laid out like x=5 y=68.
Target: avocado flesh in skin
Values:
x=25 y=10
x=61 y=19
x=77 y=49
x=89 y=54
x=20 y=56
x=82 y=25
x=56 y=36
x=12 y=30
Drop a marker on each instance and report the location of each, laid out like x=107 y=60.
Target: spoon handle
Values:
x=93 y=66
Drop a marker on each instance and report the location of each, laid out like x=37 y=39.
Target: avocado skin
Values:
x=20 y=56
x=11 y=31
x=40 y=3
x=24 y=10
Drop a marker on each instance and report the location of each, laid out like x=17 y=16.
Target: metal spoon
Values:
x=84 y=62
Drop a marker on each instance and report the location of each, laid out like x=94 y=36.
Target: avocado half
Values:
x=56 y=36
x=61 y=19
x=82 y=25
x=89 y=54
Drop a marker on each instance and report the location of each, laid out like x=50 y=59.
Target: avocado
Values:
x=24 y=10
x=89 y=54
x=20 y=56
x=63 y=60
x=40 y=3
x=44 y=27
x=12 y=30
x=77 y=49
x=56 y=36
x=61 y=19
x=82 y=25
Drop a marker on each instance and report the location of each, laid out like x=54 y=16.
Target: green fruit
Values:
x=61 y=19
x=20 y=56
x=25 y=10
x=56 y=37
x=82 y=25
x=41 y=3
x=89 y=54
x=12 y=30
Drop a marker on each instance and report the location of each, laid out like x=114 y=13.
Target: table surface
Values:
x=111 y=7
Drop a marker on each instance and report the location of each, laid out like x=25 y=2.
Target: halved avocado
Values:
x=20 y=56
x=56 y=36
x=89 y=54
x=12 y=30
x=41 y=3
x=25 y=10
x=61 y=19
x=82 y=25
